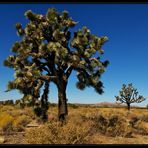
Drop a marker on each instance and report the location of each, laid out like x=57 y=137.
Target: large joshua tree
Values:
x=128 y=95
x=49 y=52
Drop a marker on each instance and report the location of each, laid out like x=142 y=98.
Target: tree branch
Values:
x=46 y=78
x=46 y=69
x=123 y=99
x=81 y=69
x=68 y=72
x=134 y=96
x=51 y=63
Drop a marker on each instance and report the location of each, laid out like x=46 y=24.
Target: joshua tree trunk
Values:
x=44 y=102
x=128 y=106
x=62 y=101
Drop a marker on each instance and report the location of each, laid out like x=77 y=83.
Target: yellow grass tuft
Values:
x=20 y=122
x=5 y=122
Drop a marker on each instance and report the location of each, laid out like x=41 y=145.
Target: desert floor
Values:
x=84 y=125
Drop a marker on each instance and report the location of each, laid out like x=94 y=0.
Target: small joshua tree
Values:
x=128 y=95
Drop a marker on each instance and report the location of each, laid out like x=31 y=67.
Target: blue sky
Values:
x=126 y=26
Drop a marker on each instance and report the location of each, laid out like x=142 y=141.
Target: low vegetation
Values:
x=13 y=119
x=85 y=125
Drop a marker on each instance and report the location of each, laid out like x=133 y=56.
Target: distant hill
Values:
x=101 y=104
x=110 y=104
x=106 y=104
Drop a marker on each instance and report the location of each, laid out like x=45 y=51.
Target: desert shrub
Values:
x=144 y=118
x=113 y=120
x=6 y=108
x=89 y=115
x=102 y=123
x=52 y=104
x=141 y=128
x=28 y=111
x=20 y=122
x=15 y=112
x=74 y=106
x=113 y=126
x=7 y=102
x=53 y=133
x=133 y=121
x=5 y=122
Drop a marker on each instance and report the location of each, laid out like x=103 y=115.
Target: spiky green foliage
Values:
x=128 y=95
x=49 y=52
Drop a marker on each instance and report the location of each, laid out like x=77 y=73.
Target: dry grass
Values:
x=20 y=122
x=85 y=125
x=5 y=122
x=53 y=133
x=13 y=119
